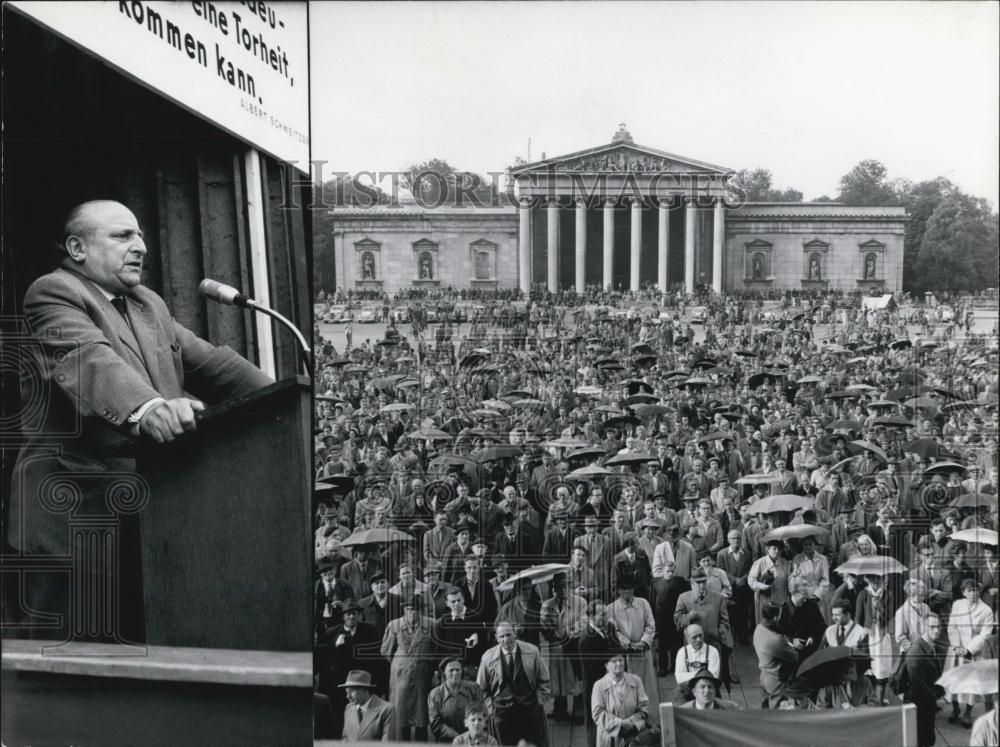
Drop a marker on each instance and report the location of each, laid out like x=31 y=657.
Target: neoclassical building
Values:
x=625 y=216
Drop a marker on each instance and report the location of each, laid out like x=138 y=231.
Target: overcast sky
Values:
x=804 y=89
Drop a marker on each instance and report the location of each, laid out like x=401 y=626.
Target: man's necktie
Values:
x=361 y=714
x=840 y=636
x=119 y=303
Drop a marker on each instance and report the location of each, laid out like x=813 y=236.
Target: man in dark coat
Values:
x=381 y=606
x=665 y=592
x=597 y=643
x=922 y=672
x=559 y=538
x=351 y=645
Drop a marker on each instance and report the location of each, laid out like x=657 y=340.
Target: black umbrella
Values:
x=704 y=363
x=637 y=458
x=635 y=386
x=642 y=347
x=926 y=448
x=621 y=421
x=826 y=666
x=644 y=360
x=756 y=379
x=643 y=398
x=501 y=451
x=588 y=453
x=892 y=422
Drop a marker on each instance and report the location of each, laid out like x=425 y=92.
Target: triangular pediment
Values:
x=621 y=158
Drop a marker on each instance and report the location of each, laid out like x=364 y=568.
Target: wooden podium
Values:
x=227 y=577
x=226 y=536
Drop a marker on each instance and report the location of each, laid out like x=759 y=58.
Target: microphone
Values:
x=228 y=295
x=222 y=293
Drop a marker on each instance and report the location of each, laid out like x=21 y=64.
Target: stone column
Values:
x=553 y=244
x=636 y=257
x=718 y=244
x=581 y=245
x=609 y=244
x=690 y=216
x=662 y=245
x=524 y=245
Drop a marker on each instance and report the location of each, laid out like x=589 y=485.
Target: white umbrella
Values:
x=536 y=574
x=976 y=535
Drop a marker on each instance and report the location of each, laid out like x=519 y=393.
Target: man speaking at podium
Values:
x=113 y=366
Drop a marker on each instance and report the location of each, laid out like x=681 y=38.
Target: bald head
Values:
x=104 y=243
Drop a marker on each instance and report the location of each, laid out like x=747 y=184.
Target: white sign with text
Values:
x=241 y=65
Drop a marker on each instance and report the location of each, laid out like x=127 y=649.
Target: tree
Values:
x=436 y=181
x=920 y=201
x=959 y=249
x=758 y=187
x=866 y=184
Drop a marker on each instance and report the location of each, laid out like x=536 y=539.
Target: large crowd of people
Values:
x=554 y=519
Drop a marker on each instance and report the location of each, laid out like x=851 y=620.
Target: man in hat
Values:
x=776 y=657
x=511 y=543
x=710 y=610
x=362 y=566
x=667 y=588
x=408 y=644
x=341 y=648
x=633 y=563
x=709 y=527
x=648 y=539
x=562 y=617
x=722 y=491
x=457 y=552
x=703 y=686
x=381 y=606
x=617 y=531
x=436 y=591
x=633 y=618
x=559 y=537
x=599 y=554
x=515 y=680
x=367 y=718
x=330 y=593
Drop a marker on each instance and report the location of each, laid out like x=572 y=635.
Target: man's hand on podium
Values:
x=170 y=418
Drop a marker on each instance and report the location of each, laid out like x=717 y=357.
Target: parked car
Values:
x=945 y=313
x=337 y=315
x=319 y=309
x=699 y=315
x=401 y=314
x=370 y=315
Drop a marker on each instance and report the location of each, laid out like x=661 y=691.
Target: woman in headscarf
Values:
x=768 y=577
x=618 y=705
x=970 y=626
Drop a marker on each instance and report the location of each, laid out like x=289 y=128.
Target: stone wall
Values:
x=399 y=240
x=786 y=237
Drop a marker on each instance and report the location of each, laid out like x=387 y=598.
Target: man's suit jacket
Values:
x=93 y=369
x=490 y=677
x=711 y=614
x=481 y=606
x=558 y=545
x=378 y=723
x=380 y=617
x=332 y=662
x=437 y=541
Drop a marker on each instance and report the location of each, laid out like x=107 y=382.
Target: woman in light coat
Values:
x=970 y=626
x=618 y=705
x=409 y=645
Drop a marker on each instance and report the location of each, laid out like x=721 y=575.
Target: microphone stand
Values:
x=306 y=350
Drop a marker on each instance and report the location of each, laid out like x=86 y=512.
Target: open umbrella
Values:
x=946 y=467
x=339 y=363
x=843 y=394
x=589 y=391
x=697 y=381
x=356 y=370
x=796 y=531
x=871 y=565
x=375 y=536
x=528 y=402
x=516 y=394
x=974 y=500
x=969 y=404
x=873 y=449
x=922 y=403
x=336 y=483
x=926 y=448
x=825 y=666
x=844 y=425
x=757 y=479
x=641 y=347
x=713 y=436
x=642 y=399
x=621 y=421
x=496 y=404
x=398 y=407
x=470 y=468
x=648 y=411
x=826 y=444
x=900 y=344
x=538 y=574
x=704 y=363
x=755 y=380
x=976 y=536
x=882 y=404
x=643 y=360
x=589 y=452
x=635 y=458
x=782 y=502
x=565 y=443
x=429 y=434
x=407 y=383
x=501 y=451
x=892 y=422
x=681 y=340
x=486 y=413
x=974 y=678
x=811 y=380
x=589 y=472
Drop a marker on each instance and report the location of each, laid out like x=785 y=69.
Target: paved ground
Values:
x=747 y=694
